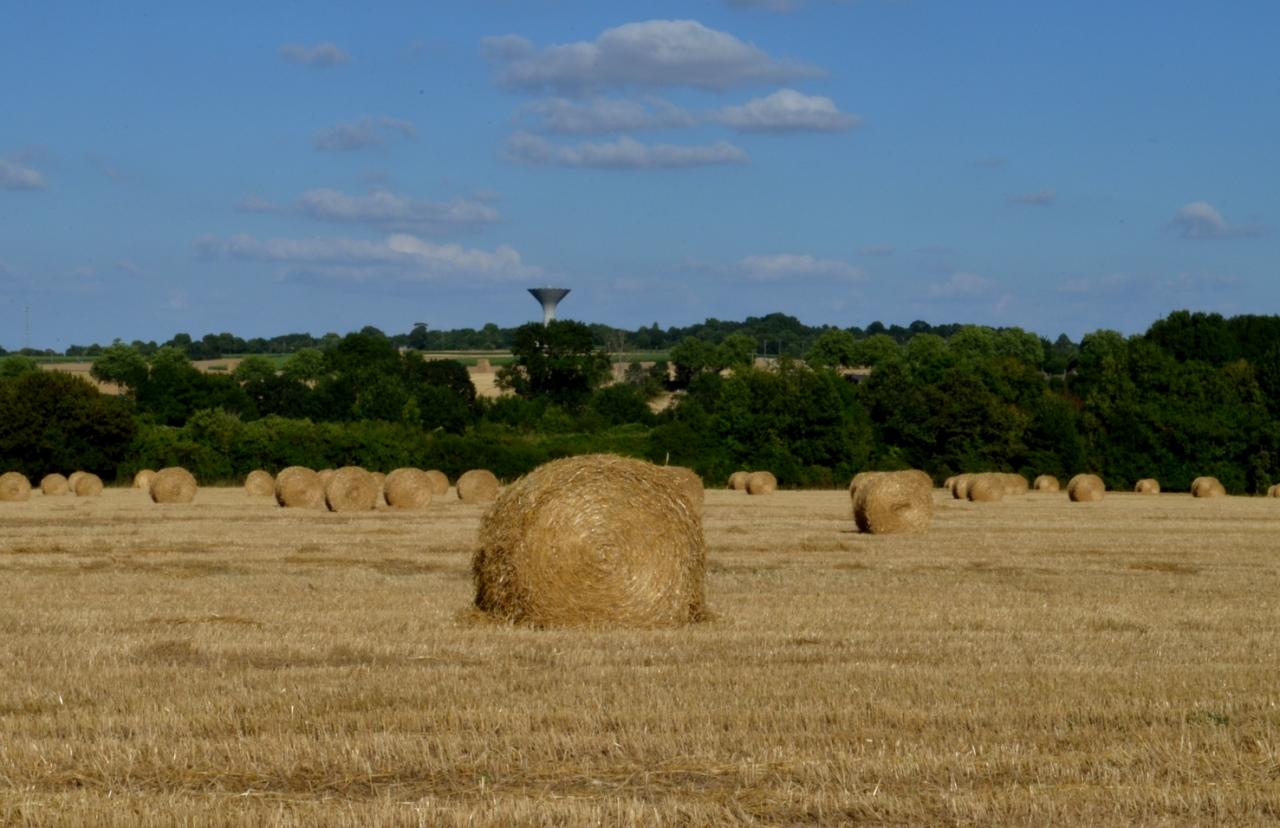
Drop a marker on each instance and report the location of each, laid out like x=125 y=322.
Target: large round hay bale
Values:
x=987 y=488
x=408 y=489
x=74 y=478
x=761 y=482
x=477 y=486
x=688 y=483
x=87 y=484
x=14 y=487
x=738 y=481
x=1207 y=487
x=1047 y=483
x=920 y=478
x=173 y=485
x=1086 y=488
x=857 y=481
x=298 y=487
x=325 y=476
x=259 y=483
x=54 y=484
x=892 y=502
x=592 y=540
x=351 y=489
x=142 y=480
x=1147 y=486
x=1014 y=483
x=960 y=486
x=439 y=482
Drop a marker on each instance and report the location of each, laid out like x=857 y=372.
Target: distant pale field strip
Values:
x=1031 y=661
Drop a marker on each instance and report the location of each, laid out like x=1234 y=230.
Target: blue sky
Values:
x=268 y=168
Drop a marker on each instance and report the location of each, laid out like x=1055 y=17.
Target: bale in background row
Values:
x=477 y=486
x=408 y=489
x=87 y=484
x=1147 y=486
x=73 y=479
x=142 y=480
x=1047 y=483
x=590 y=540
x=439 y=482
x=173 y=485
x=1086 y=488
x=54 y=484
x=892 y=502
x=987 y=488
x=1207 y=487
x=351 y=489
x=14 y=487
x=298 y=487
x=738 y=481
x=259 y=483
x=1274 y=491
x=761 y=482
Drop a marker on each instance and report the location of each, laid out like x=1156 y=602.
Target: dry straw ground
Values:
x=1033 y=662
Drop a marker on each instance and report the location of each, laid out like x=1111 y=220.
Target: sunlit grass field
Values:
x=1030 y=662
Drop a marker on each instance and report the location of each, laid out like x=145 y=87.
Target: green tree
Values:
x=558 y=360
x=122 y=365
x=254 y=369
x=834 y=348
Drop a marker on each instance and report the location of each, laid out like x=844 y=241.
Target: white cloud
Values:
x=787 y=110
x=382 y=208
x=792 y=266
x=1040 y=198
x=401 y=255
x=649 y=54
x=363 y=133
x=622 y=154
x=961 y=285
x=605 y=115
x=1200 y=220
x=324 y=55
x=15 y=176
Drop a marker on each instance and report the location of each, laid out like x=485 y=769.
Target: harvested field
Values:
x=1032 y=662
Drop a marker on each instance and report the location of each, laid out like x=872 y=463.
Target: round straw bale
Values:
x=1014 y=483
x=1207 y=487
x=960 y=486
x=408 y=489
x=949 y=483
x=14 y=487
x=1086 y=488
x=592 y=540
x=73 y=478
x=439 y=482
x=688 y=483
x=54 y=484
x=987 y=488
x=1274 y=491
x=1147 y=486
x=379 y=478
x=142 y=480
x=477 y=486
x=738 y=481
x=259 y=483
x=299 y=487
x=325 y=476
x=173 y=485
x=858 y=480
x=1047 y=483
x=891 y=503
x=351 y=489
x=761 y=482
x=87 y=484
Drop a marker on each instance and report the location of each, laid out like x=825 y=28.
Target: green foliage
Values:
x=17 y=365
x=558 y=360
x=834 y=348
x=52 y=421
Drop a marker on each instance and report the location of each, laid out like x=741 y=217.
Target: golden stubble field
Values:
x=1029 y=662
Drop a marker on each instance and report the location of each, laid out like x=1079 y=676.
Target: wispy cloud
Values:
x=363 y=133
x=1201 y=220
x=384 y=209
x=600 y=114
x=782 y=267
x=961 y=285
x=18 y=176
x=787 y=111
x=642 y=55
x=623 y=154
x=323 y=55
x=1040 y=198
x=877 y=250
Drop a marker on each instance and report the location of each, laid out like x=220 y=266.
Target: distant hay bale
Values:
x=14 y=487
x=351 y=489
x=688 y=483
x=298 y=487
x=738 y=481
x=477 y=486
x=857 y=481
x=1147 y=486
x=142 y=480
x=259 y=483
x=439 y=482
x=1207 y=487
x=325 y=476
x=892 y=503
x=73 y=478
x=1047 y=483
x=761 y=482
x=379 y=478
x=1014 y=483
x=987 y=488
x=483 y=366
x=1274 y=491
x=960 y=486
x=54 y=484
x=949 y=483
x=408 y=489
x=1086 y=488
x=173 y=485
x=595 y=540
x=87 y=484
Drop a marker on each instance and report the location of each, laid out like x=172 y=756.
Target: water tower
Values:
x=549 y=297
